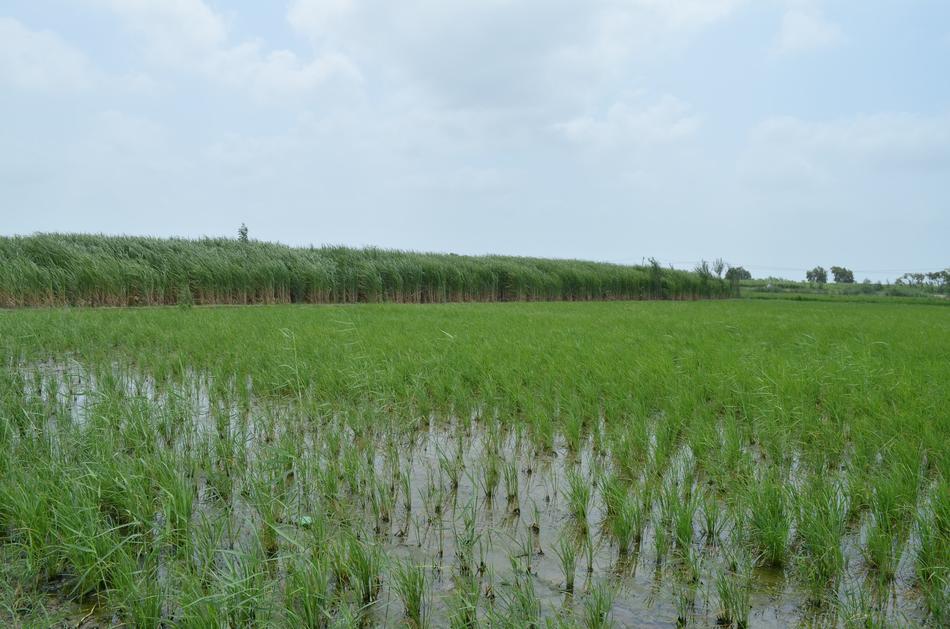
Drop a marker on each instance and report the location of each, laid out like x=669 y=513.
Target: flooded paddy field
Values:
x=651 y=464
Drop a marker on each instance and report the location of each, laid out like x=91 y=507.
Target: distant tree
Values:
x=738 y=273
x=718 y=267
x=916 y=279
x=242 y=233
x=940 y=280
x=842 y=275
x=817 y=275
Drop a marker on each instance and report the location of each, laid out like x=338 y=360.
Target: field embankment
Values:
x=96 y=270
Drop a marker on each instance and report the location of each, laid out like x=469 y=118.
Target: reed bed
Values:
x=730 y=463
x=91 y=270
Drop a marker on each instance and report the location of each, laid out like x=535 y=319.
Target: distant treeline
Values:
x=96 y=270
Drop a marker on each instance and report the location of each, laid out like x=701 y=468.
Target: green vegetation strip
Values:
x=73 y=269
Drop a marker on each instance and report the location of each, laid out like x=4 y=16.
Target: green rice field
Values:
x=734 y=463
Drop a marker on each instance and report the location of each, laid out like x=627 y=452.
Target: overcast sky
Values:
x=776 y=134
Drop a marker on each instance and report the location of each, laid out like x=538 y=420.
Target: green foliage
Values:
x=597 y=607
x=410 y=584
x=566 y=551
x=842 y=275
x=738 y=273
x=75 y=269
x=822 y=517
x=769 y=522
x=732 y=586
x=817 y=275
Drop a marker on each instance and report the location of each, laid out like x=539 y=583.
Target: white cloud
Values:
x=174 y=30
x=113 y=143
x=505 y=54
x=315 y=17
x=689 y=14
x=788 y=149
x=632 y=121
x=620 y=31
x=40 y=60
x=188 y=35
x=805 y=29
x=277 y=73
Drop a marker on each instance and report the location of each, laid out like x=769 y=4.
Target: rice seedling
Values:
x=521 y=606
x=453 y=468
x=29 y=516
x=178 y=495
x=684 y=598
x=578 y=497
x=410 y=584
x=933 y=553
x=882 y=547
x=732 y=586
x=381 y=501
x=433 y=499
x=627 y=524
x=244 y=588
x=511 y=485
x=136 y=588
x=597 y=607
x=690 y=566
x=87 y=544
x=466 y=540
x=684 y=511
x=200 y=607
x=566 y=552
x=891 y=508
x=573 y=429
x=364 y=568
x=821 y=527
x=769 y=524
x=661 y=540
x=859 y=610
x=535 y=529
x=713 y=521
x=406 y=486
x=308 y=595
x=463 y=602
x=613 y=493
x=348 y=617
x=490 y=475
x=522 y=554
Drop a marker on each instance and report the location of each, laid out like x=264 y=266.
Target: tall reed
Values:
x=78 y=269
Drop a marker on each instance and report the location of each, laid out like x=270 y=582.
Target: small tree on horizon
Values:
x=817 y=275
x=842 y=275
x=738 y=273
x=242 y=233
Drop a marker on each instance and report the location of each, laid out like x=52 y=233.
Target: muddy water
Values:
x=517 y=531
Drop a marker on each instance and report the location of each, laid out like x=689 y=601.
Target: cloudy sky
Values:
x=776 y=134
